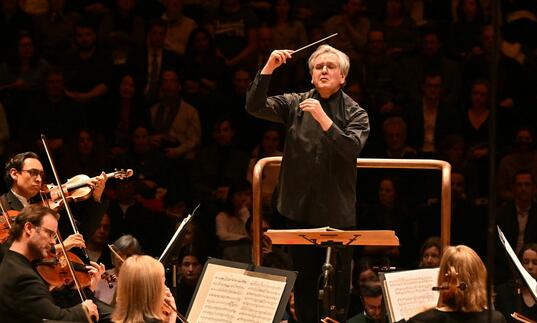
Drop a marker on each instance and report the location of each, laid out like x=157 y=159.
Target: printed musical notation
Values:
x=235 y=297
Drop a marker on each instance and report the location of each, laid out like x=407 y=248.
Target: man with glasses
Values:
x=24 y=297
x=25 y=175
x=325 y=132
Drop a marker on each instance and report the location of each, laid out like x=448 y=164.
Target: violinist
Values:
x=24 y=172
x=125 y=246
x=462 y=282
x=24 y=297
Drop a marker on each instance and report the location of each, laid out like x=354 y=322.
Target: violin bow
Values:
x=79 y=289
x=66 y=205
x=4 y=213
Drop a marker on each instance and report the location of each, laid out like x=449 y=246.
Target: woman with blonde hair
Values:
x=142 y=295
x=462 y=283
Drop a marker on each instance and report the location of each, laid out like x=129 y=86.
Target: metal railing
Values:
x=445 y=167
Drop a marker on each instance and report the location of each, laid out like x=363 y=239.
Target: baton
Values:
x=314 y=43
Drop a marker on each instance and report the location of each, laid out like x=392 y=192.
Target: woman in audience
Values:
x=141 y=293
x=430 y=253
x=231 y=223
x=24 y=70
x=462 y=281
x=400 y=31
x=515 y=296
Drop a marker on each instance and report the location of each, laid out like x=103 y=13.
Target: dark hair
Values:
x=528 y=246
x=128 y=245
x=16 y=162
x=479 y=17
x=371 y=288
x=190 y=250
x=431 y=242
x=189 y=51
x=33 y=214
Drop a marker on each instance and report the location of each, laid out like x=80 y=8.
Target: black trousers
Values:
x=308 y=260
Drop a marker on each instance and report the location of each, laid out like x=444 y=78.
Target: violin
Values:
x=55 y=272
x=76 y=189
x=6 y=220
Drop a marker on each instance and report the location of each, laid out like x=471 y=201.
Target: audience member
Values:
x=234 y=28
x=179 y=26
x=432 y=60
x=432 y=117
x=430 y=253
x=22 y=72
x=150 y=62
x=465 y=33
x=352 y=26
x=176 y=124
x=87 y=75
x=191 y=265
x=219 y=164
x=400 y=32
x=522 y=157
x=55 y=30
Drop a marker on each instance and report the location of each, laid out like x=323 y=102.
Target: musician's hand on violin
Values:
x=95 y=271
x=72 y=241
x=91 y=309
x=98 y=184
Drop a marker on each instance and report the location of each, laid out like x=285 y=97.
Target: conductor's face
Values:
x=326 y=75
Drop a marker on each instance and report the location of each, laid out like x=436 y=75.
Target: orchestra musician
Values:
x=24 y=296
x=25 y=175
x=142 y=295
x=462 y=282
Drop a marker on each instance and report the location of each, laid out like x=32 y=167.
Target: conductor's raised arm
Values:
x=277 y=58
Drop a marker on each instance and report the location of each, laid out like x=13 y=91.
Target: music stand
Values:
x=170 y=249
x=328 y=238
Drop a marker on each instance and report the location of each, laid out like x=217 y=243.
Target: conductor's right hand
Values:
x=91 y=309
x=277 y=58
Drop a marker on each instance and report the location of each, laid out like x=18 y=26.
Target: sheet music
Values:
x=236 y=297
x=410 y=292
x=530 y=281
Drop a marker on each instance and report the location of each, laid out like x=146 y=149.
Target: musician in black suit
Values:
x=24 y=174
x=24 y=297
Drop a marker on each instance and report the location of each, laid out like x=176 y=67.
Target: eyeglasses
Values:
x=51 y=234
x=34 y=172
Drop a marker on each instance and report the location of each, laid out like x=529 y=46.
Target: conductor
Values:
x=325 y=132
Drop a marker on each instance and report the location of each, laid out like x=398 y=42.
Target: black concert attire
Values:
x=317 y=183
x=436 y=316
x=509 y=300
x=24 y=297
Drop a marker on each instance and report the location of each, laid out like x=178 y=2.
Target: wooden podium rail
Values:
x=445 y=167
